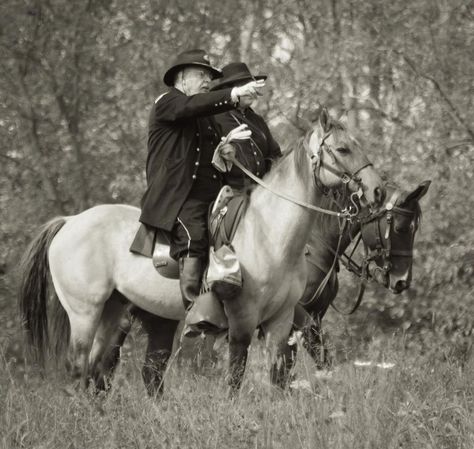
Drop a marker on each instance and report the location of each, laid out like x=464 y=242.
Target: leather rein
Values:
x=344 y=175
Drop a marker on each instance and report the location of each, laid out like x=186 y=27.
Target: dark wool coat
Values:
x=254 y=154
x=175 y=135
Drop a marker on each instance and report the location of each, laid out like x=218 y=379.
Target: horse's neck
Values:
x=278 y=225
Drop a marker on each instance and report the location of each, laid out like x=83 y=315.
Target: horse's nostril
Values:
x=400 y=286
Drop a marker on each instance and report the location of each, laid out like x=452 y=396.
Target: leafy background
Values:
x=77 y=80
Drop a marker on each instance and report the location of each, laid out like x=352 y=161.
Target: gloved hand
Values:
x=227 y=151
x=241 y=132
x=251 y=89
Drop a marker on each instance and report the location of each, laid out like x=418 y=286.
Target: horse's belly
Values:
x=165 y=301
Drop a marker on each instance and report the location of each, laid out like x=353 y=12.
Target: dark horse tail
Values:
x=33 y=294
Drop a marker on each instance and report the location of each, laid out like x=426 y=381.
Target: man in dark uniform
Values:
x=257 y=152
x=181 y=180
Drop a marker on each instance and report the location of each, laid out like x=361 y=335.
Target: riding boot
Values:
x=190 y=275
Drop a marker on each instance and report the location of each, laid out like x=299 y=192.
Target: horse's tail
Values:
x=33 y=291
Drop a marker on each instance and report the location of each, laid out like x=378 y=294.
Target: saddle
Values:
x=223 y=219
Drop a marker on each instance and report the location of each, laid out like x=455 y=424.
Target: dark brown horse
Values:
x=388 y=238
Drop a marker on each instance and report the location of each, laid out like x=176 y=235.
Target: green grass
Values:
x=421 y=402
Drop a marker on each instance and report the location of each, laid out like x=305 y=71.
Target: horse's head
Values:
x=389 y=236
x=338 y=159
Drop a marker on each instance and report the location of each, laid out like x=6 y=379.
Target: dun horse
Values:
x=392 y=228
x=95 y=276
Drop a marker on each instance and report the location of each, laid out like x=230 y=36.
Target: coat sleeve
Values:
x=175 y=106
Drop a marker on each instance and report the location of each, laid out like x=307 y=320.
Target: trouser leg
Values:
x=189 y=246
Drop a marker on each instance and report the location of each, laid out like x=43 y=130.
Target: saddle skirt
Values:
x=155 y=244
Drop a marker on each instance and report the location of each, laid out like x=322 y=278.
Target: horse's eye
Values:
x=343 y=150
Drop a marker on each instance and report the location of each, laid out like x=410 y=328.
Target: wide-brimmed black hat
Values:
x=190 y=58
x=235 y=72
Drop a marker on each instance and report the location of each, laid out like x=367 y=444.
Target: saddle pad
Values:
x=145 y=239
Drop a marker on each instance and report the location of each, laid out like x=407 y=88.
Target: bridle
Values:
x=344 y=174
x=377 y=245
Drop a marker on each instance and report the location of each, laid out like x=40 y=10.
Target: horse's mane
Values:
x=300 y=159
x=330 y=200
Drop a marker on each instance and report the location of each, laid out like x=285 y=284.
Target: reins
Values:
x=342 y=214
x=345 y=177
x=350 y=264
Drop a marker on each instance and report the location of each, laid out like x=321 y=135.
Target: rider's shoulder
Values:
x=159 y=97
x=168 y=95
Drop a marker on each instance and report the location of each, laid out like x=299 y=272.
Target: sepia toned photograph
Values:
x=236 y=224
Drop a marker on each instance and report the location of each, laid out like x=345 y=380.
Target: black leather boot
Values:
x=190 y=275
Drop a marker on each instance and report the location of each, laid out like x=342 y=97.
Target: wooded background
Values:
x=78 y=78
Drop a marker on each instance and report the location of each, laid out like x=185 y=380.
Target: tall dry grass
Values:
x=421 y=402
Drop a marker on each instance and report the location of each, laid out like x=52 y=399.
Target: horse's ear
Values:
x=418 y=193
x=324 y=120
x=344 y=119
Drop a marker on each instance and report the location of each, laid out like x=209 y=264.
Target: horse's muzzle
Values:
x=399 y=286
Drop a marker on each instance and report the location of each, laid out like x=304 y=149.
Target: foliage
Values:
x=78 y=78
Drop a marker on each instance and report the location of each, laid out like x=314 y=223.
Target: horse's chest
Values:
x=279 y=290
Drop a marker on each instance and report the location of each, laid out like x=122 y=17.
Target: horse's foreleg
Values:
x=314 y=343
x=282 y=355
x=239 y=343
x=160 y=332
x=308 y=319
x=309 y=326
x=281 y=368
x=242 y=325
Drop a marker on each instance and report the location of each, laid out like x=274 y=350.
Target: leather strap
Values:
x=325 y=281
x=284 y=196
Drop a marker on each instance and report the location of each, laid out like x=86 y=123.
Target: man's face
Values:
x=196 y=80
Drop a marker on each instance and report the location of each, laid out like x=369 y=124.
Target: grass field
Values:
x=394 y=399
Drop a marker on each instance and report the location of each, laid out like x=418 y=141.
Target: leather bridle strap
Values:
x=342 y=214
x=360 y=295
x=344 y=174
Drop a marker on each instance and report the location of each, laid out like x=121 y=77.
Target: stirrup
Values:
x=225 y=195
